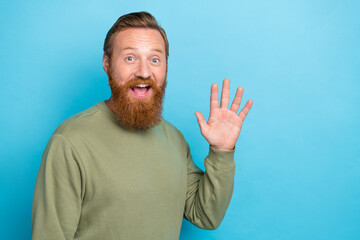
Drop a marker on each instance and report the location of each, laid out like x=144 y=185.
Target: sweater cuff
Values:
x=221 y=158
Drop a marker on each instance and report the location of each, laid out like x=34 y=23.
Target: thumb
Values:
x=201 y=120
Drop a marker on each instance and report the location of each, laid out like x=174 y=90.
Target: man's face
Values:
x=137 y=77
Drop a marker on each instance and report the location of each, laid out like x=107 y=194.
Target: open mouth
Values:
x=141 y=90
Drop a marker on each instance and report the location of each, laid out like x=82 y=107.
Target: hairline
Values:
x=111 y=40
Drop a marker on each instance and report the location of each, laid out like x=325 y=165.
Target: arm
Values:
x=209 y=193
x=58 y=192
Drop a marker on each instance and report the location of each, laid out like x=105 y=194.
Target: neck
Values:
x=110 y=104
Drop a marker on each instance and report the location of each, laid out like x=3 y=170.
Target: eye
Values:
x=155 y=60
x=129 y=59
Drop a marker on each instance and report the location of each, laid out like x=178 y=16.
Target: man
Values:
x=120 y=171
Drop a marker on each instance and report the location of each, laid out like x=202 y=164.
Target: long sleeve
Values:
x=209 y=193
x=58 y=192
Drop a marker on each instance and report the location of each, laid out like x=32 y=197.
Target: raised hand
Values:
x=223 y=127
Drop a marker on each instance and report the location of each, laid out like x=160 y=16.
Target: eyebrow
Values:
x=154 y=49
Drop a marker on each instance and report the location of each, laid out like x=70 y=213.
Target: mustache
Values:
x=137 y=81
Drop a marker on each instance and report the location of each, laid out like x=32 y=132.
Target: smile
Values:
x=141 y=90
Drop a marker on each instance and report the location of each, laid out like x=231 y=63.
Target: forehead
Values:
x=139 y=38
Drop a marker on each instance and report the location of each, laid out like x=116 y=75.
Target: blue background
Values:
x=298 y=169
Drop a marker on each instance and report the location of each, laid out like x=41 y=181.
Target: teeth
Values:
x=142 y=85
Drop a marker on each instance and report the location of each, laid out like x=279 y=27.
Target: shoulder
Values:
x=81 y=123
x=167 y=126
x=172 y=132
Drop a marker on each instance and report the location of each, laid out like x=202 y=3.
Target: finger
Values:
x=214 y=98
x=237 y=100
x=245 y=110
x=225 y=93
x=202 y=122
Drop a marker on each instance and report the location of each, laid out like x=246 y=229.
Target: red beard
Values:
x=133 y=113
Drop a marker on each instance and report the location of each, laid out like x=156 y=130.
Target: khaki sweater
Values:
x=99 y=181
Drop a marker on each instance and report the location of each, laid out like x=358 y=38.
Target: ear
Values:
x=106 y=63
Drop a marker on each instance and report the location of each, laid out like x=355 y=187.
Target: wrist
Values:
x=220 y=159
x=222 y=148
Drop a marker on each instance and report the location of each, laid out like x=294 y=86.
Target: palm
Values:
x=223 y=127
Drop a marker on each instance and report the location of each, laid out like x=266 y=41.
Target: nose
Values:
x=143 y=70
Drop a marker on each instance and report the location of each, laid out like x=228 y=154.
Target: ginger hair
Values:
x=133 y=20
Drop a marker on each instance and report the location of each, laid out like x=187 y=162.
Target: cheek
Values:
x=161 y=74
x=121 y=73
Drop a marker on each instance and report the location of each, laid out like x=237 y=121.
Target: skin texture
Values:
x=140 y=53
